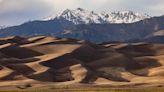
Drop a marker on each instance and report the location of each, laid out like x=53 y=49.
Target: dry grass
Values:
x=96 y=90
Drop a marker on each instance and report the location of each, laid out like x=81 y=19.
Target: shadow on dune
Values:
x=14 y=39
x=10 y=77
x=96 y=61
x=18 y=70
x=137 y=50
x=141 y=65
x=60 y=67
x=19 y=52
x=83 y=56
x=60 y=62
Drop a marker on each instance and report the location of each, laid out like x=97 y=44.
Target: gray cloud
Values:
x=13 y=12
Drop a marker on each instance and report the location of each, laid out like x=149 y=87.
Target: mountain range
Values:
x=82 y=16
x=126 y=26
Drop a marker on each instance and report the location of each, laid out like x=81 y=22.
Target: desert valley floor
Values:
x=47 y=62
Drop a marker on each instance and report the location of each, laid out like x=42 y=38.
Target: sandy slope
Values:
x=47 y=61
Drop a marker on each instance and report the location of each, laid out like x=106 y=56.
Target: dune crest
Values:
x=47 y=60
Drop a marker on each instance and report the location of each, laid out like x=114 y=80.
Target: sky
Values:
x=15 y=12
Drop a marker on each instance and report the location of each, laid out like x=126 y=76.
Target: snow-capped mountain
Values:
x=106 y=27
x=82 y=16
x=1 y=27
x=125 y=17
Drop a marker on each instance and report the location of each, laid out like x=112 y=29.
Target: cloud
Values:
x=13 y=12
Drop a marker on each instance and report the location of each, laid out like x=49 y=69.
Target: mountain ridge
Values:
x=94 y=32
x=82 y=16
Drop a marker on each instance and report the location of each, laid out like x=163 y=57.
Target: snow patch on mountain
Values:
x=2 y=27
x=126 y=17
x=82 y=16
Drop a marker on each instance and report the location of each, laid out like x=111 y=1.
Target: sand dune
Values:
x=46 y=60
